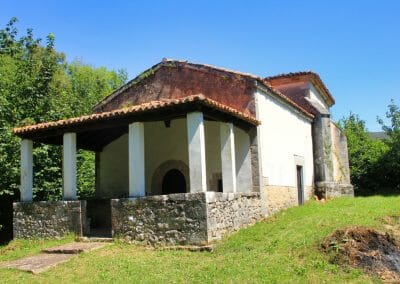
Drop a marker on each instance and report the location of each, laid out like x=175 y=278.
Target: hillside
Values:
x=283 y=248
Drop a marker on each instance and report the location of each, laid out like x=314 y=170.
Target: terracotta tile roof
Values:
x=137 y=109
x=205 y=68
x=312 y=76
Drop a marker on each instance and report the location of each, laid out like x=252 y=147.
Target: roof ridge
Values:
x=166 y=61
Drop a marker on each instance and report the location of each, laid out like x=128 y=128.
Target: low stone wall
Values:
x=228 y=212
x=183 y=218
x=162 y=219
x=48 y=219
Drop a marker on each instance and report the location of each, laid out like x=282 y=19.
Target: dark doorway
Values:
x=98 y=222
x=173 y=182
x=300 y=185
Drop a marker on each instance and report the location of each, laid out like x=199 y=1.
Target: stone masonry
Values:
x=228 y=212
x=183 y=218
x=48 y=219
x=166 y=219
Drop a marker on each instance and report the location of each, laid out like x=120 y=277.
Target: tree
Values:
x=365 y=155
x=391 y=159
x=37 y=84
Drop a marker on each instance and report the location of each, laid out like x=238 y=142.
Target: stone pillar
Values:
x=136 y=160
x=26 y=170
x=69 y=166
x=228 y=159
x=197 y=152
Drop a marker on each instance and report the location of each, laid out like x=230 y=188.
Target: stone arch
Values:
x=159 y=173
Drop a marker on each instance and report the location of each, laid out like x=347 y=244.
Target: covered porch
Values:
x=192 y=149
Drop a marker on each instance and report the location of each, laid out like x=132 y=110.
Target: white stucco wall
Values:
x=284 y=134
x=243 y=161
x=314 y=95
x=112 y=175
x=163 y=144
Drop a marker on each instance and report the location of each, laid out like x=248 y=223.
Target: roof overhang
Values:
x=97 y=130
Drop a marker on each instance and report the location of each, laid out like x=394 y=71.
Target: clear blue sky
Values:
x=353 y=45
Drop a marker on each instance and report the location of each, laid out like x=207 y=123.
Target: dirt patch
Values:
x=360 y=247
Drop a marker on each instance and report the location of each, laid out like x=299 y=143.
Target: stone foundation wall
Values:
x=183 y=218
x=163 y=219
x=228 y=212
x=329 y=190
x=48 y=219
x=282 y=197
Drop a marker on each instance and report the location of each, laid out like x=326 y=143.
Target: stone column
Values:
x=136 y=160
x=26 y=170
x=228 y=159
x=197 y=152
x=69 y=166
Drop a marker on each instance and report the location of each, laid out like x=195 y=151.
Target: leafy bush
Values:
x=374 y=164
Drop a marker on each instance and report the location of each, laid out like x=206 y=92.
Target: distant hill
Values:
x=378 y=135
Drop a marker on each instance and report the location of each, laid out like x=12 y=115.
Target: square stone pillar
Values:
x=69 y=166
x=26 y=170
x=228 y=158
x=136 y=160
x=197 y=152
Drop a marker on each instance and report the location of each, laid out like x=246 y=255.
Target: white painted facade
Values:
x=163 y=144
x=284 y=135
x=315 y=96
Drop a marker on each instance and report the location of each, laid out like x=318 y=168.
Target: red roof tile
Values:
x=137 y=109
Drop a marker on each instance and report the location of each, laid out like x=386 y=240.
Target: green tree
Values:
x=391 y=159
x=37 y=84
x=365 y=155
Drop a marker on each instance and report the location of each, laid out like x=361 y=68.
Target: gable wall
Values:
x=178 y=82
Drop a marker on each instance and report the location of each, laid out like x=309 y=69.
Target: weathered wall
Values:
x=165 y=219
x=340 y=158
x=282 y=197
x=183 y=218
x=177 y=80
x=48 y=219
x=228 y=212
x=284 y=134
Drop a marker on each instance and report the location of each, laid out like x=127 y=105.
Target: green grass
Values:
x=281 y=249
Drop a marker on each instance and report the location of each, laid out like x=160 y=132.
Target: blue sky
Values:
x=353 y=45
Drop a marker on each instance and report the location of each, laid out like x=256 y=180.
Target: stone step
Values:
x=94 y=239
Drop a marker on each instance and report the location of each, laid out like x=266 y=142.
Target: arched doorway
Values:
x=161 y=172
x=173 y=182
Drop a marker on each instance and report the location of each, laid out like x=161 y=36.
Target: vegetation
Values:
x=374 y=163
x=284 y=248
x=37 y=84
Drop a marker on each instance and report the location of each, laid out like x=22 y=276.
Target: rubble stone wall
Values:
x=228 y=212
x=48 y=219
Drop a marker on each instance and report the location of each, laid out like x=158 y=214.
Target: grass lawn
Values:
x=283 y=248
